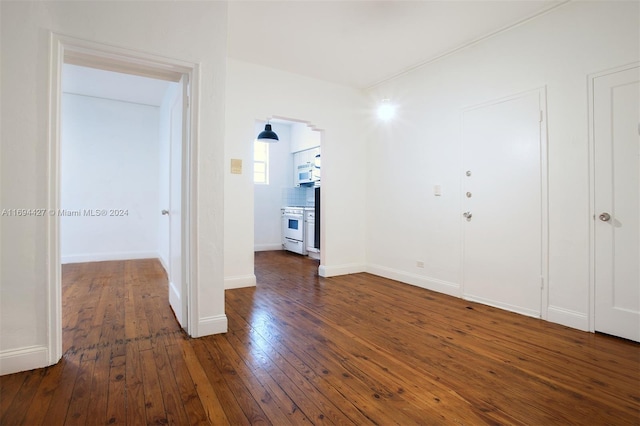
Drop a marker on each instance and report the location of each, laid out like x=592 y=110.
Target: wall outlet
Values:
x=419 y=263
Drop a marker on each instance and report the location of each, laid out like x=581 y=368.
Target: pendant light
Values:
x=268 y=135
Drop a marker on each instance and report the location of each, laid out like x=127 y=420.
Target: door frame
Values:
x=65 y=49
x=592 y=187
x=544 y=190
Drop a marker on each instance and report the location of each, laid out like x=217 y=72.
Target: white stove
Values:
x=293 y=229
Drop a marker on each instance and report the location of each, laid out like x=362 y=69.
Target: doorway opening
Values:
x=278 y=185
x=131 y=214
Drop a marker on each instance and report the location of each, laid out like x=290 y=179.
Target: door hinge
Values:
x=541 y=115
x=542 y=283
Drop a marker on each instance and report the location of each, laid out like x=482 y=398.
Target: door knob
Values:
x=467 y=215
x=165 y=212
x=605 y=217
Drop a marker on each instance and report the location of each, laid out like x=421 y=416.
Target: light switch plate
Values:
x=437 y=190
x=236 y=166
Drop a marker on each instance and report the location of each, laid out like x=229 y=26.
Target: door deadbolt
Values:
x=467 y=215
x=468 y=195
x=605 y=217
x=468 y=173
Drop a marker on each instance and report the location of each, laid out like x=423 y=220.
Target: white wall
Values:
x=268 y=198
x=24 y=78
x=259 y=93
x=303 y=137
x=422 y=147
x=109 y=161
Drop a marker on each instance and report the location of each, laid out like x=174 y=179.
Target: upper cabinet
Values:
x=303 y=138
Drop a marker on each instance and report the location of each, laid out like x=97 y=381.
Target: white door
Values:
x=178 y=142
x=616 y=100
x=503 y=208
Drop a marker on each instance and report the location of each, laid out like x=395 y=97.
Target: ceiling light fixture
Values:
x=268 y=135
x=386 y=110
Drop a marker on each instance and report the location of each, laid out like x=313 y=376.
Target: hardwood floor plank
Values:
x=116 y=400
x=407 y=339
x=232 y=407
x=216 y=413
x=534 y=379
x=318 y=372
x=99 y=389
x=302 y=349
x=59 y=405
x=254 y=387
x=294 y=376
x=250 y=356
x=37 y=412
x=9 y=386
x=22 y=401
x=359 y=358
x=351 y=372
x=135 y=401
x=81 y=395
x=187 y=389
x=155 y=410
x=174 y=407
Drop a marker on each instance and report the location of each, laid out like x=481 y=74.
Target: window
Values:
x=261 y=163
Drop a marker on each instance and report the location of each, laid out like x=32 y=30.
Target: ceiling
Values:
x=359 y=42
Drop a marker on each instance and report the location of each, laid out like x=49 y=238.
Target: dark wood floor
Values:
x=356 y=349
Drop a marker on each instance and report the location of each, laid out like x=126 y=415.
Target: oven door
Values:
x=292 y=227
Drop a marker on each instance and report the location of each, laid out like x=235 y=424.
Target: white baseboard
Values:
x=102 y=257
x=239 y=281
x=568 y=318
x=452 y=289
x=164 y=263
x=175 y=301
x=335 y=270
x=267 y=247
x=500 y=305
x=23 y=359
x=211 y=325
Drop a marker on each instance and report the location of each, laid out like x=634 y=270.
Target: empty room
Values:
x=343 y=212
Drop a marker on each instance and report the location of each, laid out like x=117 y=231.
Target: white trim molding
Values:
x=82 y=52
x=211 y=325
x=267 y=247
x=440 y=286
x=23 y=359
x=569 y=318
x=102 y=257
x=335 y=270
x=239 y=281
x=504 y=306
